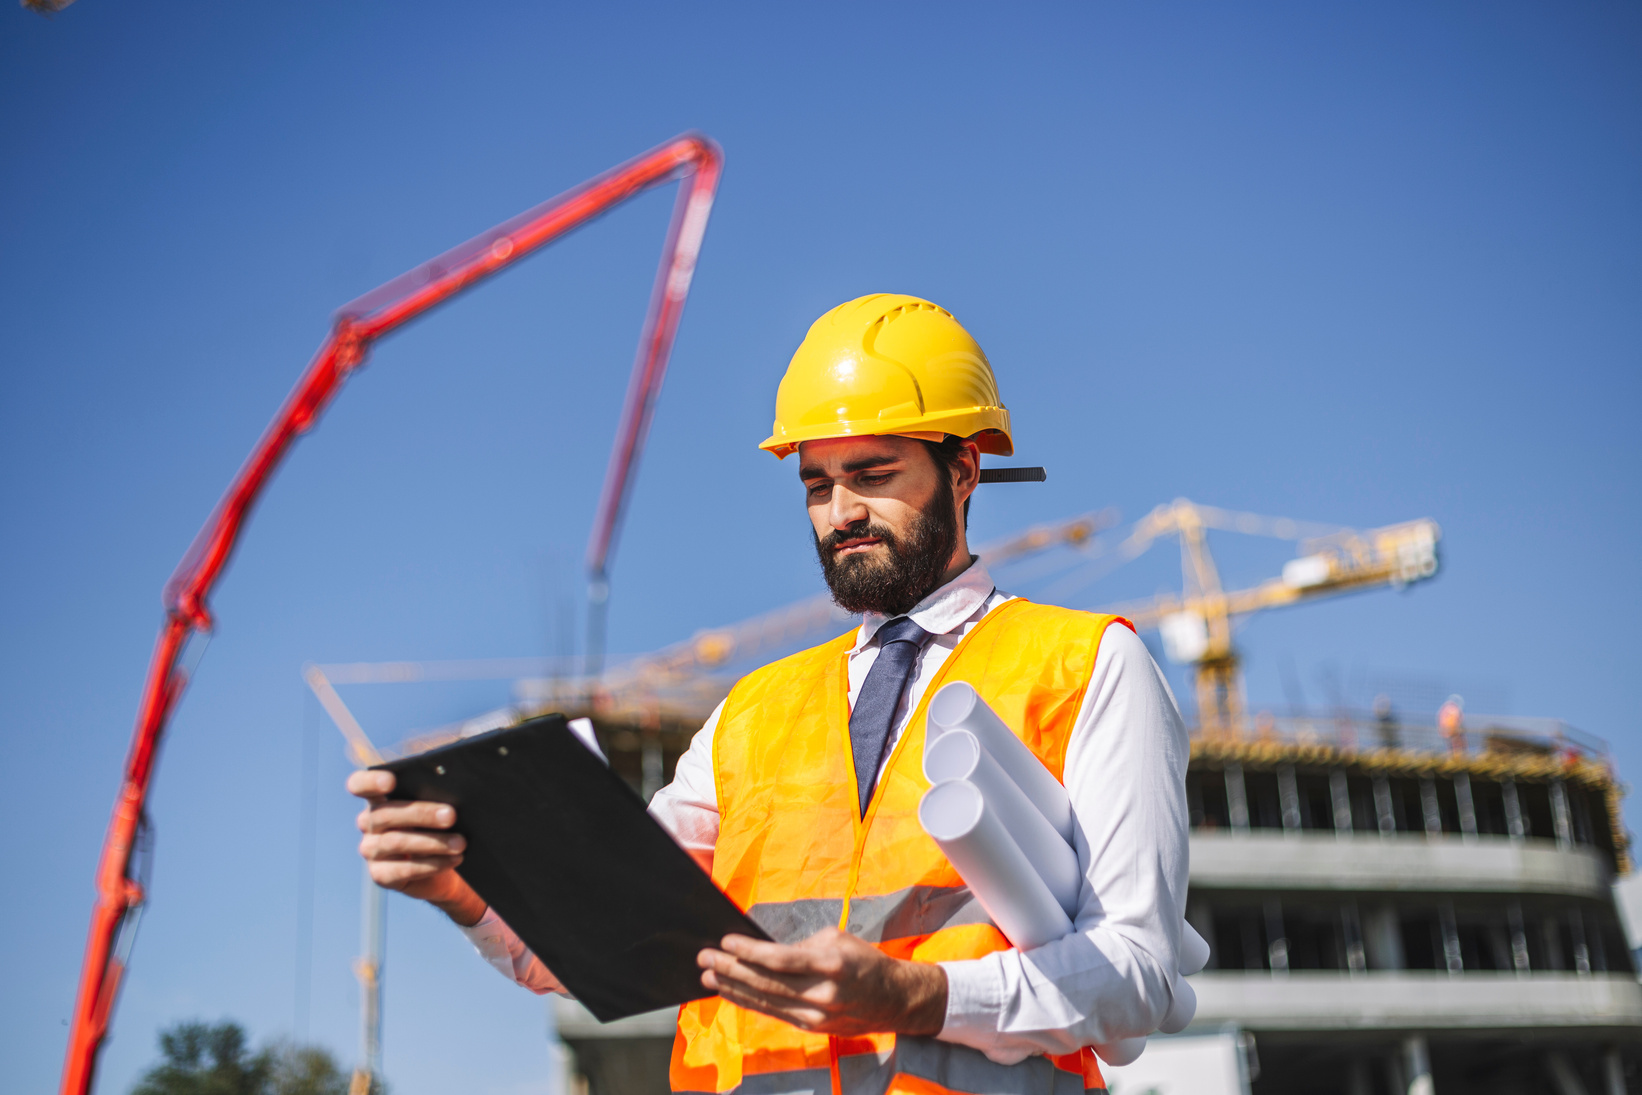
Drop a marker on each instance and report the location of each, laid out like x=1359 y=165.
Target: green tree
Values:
x=214 y=1059
x=304 y=1070
x=202 y=1059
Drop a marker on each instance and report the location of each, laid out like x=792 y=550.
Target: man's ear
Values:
x=966 y=472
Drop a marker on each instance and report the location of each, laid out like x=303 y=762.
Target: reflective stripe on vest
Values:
x=914 y=911
x=945 y=1066
x=794 y=850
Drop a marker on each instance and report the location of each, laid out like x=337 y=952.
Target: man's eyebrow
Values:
x=816 y=471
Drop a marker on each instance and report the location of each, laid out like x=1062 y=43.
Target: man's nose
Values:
x=846 y=509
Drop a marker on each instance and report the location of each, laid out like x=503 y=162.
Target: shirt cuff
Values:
x=492 y=939
x=975 y=999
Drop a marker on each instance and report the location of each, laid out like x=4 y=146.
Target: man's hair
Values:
x=946 y=453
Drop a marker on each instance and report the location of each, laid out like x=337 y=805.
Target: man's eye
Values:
x=876 y=479
x=818 y=489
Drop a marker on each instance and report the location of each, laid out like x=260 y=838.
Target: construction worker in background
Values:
x=801 y=791
x=1451 y=723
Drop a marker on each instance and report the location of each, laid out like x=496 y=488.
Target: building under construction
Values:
x=1392 y=908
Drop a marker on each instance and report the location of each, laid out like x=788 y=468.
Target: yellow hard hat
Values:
x=889 y=364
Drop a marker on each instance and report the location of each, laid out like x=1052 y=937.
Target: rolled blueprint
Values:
x=988 y=787
x=1181 y=1009
x=1194 y=955
x=957 y=706
x=974 y=839
x=1125 y=1051
x=958 y=754
x=1194 y=951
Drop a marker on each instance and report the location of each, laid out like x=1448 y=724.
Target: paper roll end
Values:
x=953 y=703
x=950 y=809
x=953 y=755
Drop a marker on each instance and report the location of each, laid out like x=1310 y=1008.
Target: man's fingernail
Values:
x=445 y=814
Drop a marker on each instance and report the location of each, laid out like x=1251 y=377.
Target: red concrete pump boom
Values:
x=692 y=158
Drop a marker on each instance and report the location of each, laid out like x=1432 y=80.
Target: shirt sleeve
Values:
x=498 y=945
x=687 y=808
x=1113 y=977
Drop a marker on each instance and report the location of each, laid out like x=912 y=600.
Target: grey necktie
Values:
x=899 y=642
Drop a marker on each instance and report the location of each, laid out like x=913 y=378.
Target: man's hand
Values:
x=408 y=848
x=831 y=983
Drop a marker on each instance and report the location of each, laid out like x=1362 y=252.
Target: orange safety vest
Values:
x=794 y=852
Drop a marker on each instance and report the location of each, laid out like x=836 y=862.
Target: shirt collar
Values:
x=943 y=610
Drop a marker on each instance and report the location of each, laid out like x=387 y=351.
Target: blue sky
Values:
x=1354 y=264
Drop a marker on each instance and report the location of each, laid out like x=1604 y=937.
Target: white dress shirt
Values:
x=1125 y=775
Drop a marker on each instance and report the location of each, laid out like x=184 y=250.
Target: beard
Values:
x=908 y=569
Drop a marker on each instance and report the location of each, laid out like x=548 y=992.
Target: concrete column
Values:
x=1563 y=1077
x=1598 y=952
x=1450 y=939
x=1513 y=810
x=1339 y=792
x=1430 y=809
x=1560 y=815
x=1383 y=939
x=1201 y=918
x=1288 y=797
x=1582 y=952
x=1384 y=814
x=1519 y=939
x=1249 y=924
x=1468 y=808
x=1248 y=1060
x=1417 y=1065
x=1277 y=943
x=1613 y=1072
x=1396 y=1078
x=1357 y=1078
x=1237 y=798
x=1553 y=944
x=650 y=765
x=1351 y=928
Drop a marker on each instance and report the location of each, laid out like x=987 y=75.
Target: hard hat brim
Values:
x=988 y=427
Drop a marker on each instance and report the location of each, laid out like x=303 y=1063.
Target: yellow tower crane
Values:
x=1196 y=624
x=682 y=682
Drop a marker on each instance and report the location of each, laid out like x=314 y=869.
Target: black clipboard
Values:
x=565 y=852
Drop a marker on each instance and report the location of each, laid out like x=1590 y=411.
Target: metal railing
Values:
x=1356 y=731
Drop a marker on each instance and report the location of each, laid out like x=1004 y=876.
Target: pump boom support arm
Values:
x=692 y=158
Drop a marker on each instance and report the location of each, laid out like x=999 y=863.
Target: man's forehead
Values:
x=841 y=455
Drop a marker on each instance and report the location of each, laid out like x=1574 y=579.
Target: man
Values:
x=800 y=793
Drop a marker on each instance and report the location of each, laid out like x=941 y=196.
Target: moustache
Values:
x=832 y=541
